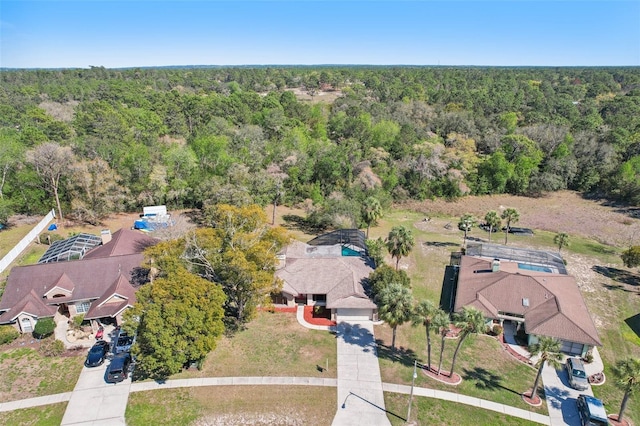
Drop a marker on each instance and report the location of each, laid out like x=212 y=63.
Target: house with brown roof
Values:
x=332 y=276
x=98 y=286
x=534 y=297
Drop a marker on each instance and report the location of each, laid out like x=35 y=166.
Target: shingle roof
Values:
x=551 y=304
x=123 y=241
x=117 y=297
x=29 y=304
x=319 y=270
x=100 y=276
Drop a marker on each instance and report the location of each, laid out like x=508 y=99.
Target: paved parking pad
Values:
x=561 y=397
x=96 y=402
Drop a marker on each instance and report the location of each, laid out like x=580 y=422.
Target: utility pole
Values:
x=413 y=382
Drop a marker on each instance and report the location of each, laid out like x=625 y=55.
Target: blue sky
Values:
x=48 y=33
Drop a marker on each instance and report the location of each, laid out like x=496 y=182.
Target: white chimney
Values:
x=495 y=266
x=105 y=234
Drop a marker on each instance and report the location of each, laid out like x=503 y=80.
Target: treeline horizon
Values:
x=190 y=136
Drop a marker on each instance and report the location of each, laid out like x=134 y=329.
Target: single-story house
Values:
x=332 y=276
x=98 y=286
x=532 y=296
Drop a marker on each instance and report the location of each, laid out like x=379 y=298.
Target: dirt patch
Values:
x=563 y=211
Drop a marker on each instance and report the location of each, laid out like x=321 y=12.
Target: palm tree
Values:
x=371 y=211
x=441 y=322
x=469 y=320
x=394 y=307
x=511 y=216
x=424 y=314
x=399 y=243
x=549 y=350
x=561 y=240
x=493 y=221
x=465 y=224
x=627 y=373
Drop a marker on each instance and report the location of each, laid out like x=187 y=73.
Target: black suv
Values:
x=119 y=368
x=591 y=410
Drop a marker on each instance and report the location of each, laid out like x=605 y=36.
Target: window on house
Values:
x=319 y=297
x=83 y=307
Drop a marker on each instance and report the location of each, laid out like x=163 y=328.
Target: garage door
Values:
x=345 y=314
x=572 y=348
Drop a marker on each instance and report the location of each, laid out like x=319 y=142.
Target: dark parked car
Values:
x=97 y=354
x=119 y=368
x=591 y=410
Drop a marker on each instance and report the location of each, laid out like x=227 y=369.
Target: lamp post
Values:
x=413 y=382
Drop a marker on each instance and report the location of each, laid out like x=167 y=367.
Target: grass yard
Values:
x=427 y=411
x=24 y=373
x=46 y=415
x=487 y=370
x=233 y=405
x=273 y=344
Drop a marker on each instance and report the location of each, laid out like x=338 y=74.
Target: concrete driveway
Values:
x=96 y=402
x=561 y=397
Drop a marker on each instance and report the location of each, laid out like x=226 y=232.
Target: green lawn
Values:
x=46 y=415
x=264 y=405
x=612 y=295
x=273 y=344
x=428 y=411
x=24 y=373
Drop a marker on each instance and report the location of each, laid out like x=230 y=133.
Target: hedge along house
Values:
x=330 y=274
x=100 y=285
x=536 y=298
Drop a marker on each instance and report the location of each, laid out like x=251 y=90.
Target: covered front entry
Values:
x=353 y=314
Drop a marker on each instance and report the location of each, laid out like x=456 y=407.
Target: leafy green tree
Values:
x=423 y=314
x=548 y=349
x=178 y=319
x=371 y=211
x=395 y=307
x=493 y=221
x=561 y=240
x=494 y=173
x=384 y=275
x=511 y=215
x=627 y=374
x=470 y=321
x=466 y=222
x=631 y=257
x=399 y=243
x=376 y=248
x=239 y=252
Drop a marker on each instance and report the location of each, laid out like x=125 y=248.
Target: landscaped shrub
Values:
x=77 y=321
x=44 y=327
x=47 y=238
x=497 y=329
x=8 y=334
x=51 y=347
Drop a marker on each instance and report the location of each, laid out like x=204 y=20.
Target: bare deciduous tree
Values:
x=51 y=162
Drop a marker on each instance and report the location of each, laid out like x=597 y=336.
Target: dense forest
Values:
x=93 y=141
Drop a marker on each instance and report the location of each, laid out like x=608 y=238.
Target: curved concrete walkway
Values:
x=360 y=389
x=290 y=381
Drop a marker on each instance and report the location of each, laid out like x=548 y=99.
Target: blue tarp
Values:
x=52 y=227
